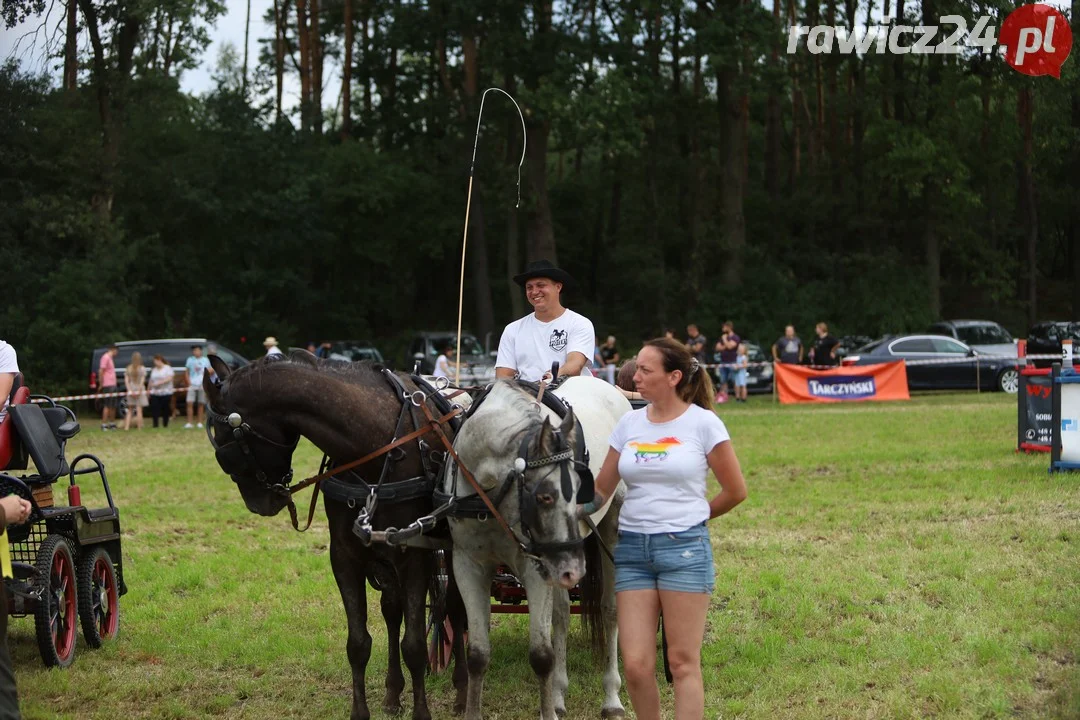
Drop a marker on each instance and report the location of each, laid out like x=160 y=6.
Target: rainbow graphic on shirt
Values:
x=658 y=450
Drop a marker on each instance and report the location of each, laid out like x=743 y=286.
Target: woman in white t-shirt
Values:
x=442 y=363
x=663 y=562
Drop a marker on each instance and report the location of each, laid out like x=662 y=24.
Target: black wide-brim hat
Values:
x=543 y=269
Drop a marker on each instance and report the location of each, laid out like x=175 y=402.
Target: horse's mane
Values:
x=364 y=372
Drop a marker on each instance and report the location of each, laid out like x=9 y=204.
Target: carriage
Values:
x=66 y=559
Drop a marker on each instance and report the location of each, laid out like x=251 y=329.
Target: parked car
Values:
x=175 y=352
x=984 y=336
x=759 y=378
x=477 y=368
x=849 y=344
x=1045 y=339
x=994 y=373
x=355 y=351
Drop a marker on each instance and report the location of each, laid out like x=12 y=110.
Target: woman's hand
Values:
x=16 y=510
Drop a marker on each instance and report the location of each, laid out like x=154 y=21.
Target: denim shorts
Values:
x=680 y=561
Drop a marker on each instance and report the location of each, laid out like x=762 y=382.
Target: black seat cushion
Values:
x=38 y=438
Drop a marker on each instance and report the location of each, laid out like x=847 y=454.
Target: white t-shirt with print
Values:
x=9 y=363
x=530 y=346
x=664 y=466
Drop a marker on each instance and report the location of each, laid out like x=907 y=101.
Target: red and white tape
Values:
x=97 y=396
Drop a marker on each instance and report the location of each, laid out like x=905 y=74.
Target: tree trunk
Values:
x=316 y=56
x=481 y=276
x=346 y=74
x=772 y=117
x=540 y=234
x=247 y=35
x=304 y=38
x=280 y=23
x=1029 y=220
x=365 y=56
x=731 y=185
x=389 y=100
x=796 y=110
x=71 y=49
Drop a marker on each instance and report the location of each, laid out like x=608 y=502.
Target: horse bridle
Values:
x=564 y=457
x=237 y=454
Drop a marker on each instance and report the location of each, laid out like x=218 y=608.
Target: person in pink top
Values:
x=107 y=376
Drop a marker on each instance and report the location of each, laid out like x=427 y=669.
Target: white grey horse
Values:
x=526 y=460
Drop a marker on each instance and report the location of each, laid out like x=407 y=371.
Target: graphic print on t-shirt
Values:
x=658 y=450
x=558 y=340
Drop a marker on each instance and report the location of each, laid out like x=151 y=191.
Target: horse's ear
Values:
x=220 y=368
x=547 y=437
x=212 y=387
x=567 y=427
x=302 y=355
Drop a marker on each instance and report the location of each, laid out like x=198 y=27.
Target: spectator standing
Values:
x=135 y=384
x=609 y=355
x=742 y=362
x=727 y=350
x=695 y=343
x=789 y=348
x=161 y=389
x=9 y=368
x=107 y=383
x=823 y=351
x=442 y=363
x=271 y=346
x=196 y=397
x=324 y=351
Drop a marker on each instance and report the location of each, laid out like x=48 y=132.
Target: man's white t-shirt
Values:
x=9 y=363
x=664 y=466
x=530 y=346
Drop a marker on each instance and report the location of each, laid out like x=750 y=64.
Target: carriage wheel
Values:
x=56 y=612
x=438 y=625
x=99 y=607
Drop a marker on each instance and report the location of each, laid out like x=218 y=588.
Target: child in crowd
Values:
x=742 y=362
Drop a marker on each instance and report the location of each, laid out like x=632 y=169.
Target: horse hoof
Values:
x=617 y=712
x=459 y=708
x=392 y=709
x=560 y=711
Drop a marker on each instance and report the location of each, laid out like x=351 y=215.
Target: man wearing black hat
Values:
x=550 y=334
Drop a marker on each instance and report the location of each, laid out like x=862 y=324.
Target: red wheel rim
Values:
x=103 y=598
x=63 y=605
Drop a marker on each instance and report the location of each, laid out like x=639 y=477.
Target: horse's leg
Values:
x=348 y=572
x=391 y=604
x=609 y=533
x=415 y=571
x=474 y=582
x=541 y=654
x=455 y=610
x=560 y=626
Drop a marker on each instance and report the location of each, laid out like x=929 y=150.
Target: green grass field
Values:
x=892 y=561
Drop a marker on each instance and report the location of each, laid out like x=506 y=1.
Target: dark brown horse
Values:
x=348 y=410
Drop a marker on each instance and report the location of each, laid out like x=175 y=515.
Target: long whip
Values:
x=468 y=207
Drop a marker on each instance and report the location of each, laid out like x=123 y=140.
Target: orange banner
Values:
x=885 y=381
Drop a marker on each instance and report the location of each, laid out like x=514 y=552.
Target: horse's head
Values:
x=254 y=449
x=553 y=478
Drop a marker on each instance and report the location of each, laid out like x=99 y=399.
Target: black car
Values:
x=477 y=367
x=994 y=373
x=1045 y=339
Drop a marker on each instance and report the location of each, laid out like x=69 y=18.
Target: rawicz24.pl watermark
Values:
x=1035 y=39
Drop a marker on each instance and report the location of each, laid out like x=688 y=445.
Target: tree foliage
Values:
x=683 y=168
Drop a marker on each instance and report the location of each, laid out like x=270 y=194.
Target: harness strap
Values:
x=376 y=453
x=437 y=427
